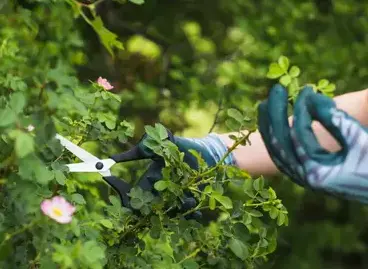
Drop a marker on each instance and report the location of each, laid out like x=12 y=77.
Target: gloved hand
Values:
x=210 y=147
x=296 y=152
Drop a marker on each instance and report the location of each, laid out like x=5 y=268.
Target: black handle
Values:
x=121 y=187
x=140 y=151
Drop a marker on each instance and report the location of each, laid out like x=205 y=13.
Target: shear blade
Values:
x=76 y=150
x=91 y=167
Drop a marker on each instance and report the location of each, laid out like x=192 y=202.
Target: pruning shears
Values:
x=93 y=164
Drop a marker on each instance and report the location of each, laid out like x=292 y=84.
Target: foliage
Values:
x=41 y=96
x=166 y=65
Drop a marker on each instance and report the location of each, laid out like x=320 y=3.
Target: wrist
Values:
x=211 y=147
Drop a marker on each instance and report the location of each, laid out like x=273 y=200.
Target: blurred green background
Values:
x=185 y=61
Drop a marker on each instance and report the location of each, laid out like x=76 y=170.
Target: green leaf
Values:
x=17 y=102
x=329 y=88
x=60 y=178
x=235 y=114
x=212 y=203
x=233 y=124
x=162 y=132
x=107 y=223
x=201 y=162
x=294 y=71
x=285 y=80
x=322 y=83
x=152 y=132
x=223 y=200
x=280 y=219
x=275 y=71
x=161 y=185
x=108 y=38
x=258 y=184
x=137 y=2
x=274 y=212
x=208 y=189
x=283 y=63
x=190 y=264
x=248 y=185
x=247 y=219
x=78 y=199
x=255 y=213
x=272 y=193
x=7 y=117
x=136 y=203
x=239 y=248
x=24 y=144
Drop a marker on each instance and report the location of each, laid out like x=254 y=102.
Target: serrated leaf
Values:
x=248 y=185
x=162 y=132
x=136 y=203
x=322 y=83
x=24 y=144
x=235 y=114
x=114 y=96
x=329 y=88
x=208 y=189
x=283 y=63
x=59 y=177
x=274 y=71
x=190 y=264
x=108 y=38
x=17 y=102
x=258 y=184
x=232 y=124
x=255 y=213
x=285 y=80
x=294 y=71
x=274 y=212
x=272 y=193
x=161 y=185
x=152 y=132
x=78 y=198
x=107 y=223
x=239 y=248
x=223 y=200
x=280 y=219
x=7 y=117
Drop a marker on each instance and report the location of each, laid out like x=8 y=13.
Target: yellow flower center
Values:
x=57 y=212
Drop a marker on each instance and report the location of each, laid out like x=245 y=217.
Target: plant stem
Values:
x=191 y=255
x=195 y=209
x=237 y=143
x=16 y=232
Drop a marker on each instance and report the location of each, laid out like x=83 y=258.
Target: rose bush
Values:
x=47 y=85
x=53 y=219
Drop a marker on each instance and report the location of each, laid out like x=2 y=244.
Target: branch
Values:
x=219 y=104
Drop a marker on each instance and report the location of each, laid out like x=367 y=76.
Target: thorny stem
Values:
x=191 y=255
x=237 y=143
x=16 y=232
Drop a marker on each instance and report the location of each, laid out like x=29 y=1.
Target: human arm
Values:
x=255 y=159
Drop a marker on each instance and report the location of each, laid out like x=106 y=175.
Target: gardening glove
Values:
x=211 y=148
x=296 y=152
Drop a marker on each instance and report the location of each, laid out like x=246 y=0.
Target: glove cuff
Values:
x=215 y=147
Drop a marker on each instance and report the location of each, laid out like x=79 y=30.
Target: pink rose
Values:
x=104 y=83
x=58 y=209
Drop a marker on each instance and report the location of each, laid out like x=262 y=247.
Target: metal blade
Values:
x=76 y=150
x=91 y=167
x=82 y=167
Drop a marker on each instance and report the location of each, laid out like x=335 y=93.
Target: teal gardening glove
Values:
x=296 y=152
x=211 y=148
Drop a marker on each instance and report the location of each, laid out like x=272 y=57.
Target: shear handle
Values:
x=140 y=151
x=121 y=187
